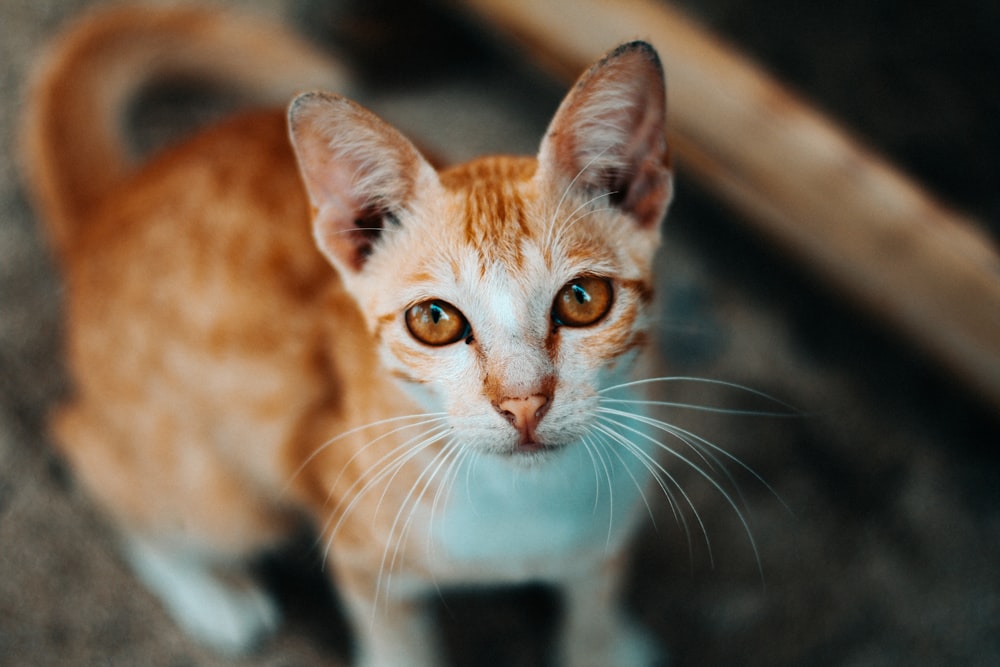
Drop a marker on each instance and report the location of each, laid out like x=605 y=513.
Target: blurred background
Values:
x=876 y=538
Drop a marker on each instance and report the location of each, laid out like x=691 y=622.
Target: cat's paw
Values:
x=230 y=614
x=231 y=619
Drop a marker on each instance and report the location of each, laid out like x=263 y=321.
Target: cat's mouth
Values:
x=533 y=448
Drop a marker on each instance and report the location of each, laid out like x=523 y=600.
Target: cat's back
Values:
x=196 y=289
x=227 y=202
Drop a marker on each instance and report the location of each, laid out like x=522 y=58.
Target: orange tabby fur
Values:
x=228 y=383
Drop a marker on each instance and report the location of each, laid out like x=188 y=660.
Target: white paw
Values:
x=231 y=615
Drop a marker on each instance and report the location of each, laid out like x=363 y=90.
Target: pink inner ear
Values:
x=356 y=168
x=609 y=134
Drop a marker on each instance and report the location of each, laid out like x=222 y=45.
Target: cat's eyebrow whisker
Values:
x=550 y=231
x=578 y=216
x=582 y=211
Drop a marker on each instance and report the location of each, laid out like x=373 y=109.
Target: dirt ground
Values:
x=876 y=538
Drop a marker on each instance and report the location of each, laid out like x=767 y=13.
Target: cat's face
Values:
x=505 y=292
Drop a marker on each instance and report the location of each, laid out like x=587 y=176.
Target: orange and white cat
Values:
x=296 y=316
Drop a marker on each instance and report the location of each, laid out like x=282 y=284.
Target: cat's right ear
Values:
x=608 y=136
x=360 y=174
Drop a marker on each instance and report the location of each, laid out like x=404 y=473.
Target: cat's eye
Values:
x=436 y=322
x=582 y=302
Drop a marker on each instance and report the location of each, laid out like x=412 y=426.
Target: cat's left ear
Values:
x=608 y=136
x=361 y=174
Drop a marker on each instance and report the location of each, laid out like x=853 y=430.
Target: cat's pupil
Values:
x=436 y=313
x=581 y=294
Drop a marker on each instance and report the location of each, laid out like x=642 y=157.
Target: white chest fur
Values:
x=516 y=522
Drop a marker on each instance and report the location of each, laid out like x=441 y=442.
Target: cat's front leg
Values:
x=231 y=613
x=597 y=632
x=391 y=628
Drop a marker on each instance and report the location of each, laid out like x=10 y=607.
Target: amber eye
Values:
x=582 y=302
x=436 y=322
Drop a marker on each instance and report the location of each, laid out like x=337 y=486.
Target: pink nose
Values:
x=524 y=413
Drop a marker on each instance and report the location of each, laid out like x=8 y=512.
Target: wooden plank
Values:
x=797 y=177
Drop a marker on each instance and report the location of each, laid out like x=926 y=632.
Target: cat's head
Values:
x=506 y=291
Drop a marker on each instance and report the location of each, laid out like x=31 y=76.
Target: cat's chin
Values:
x=533 y=453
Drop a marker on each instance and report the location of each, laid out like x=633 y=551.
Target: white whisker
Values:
x=638 y=485
x=704 y=474
x=662 y=477
x=710 y=381
x=430 y=417
x=581 y=212
x=551 y=231
x=705 y=447
x=388 y=465
x=687 y=438
x=444 y=491
x=698 y=408
x=589 y=445
x=599 y=457
x=396 y=537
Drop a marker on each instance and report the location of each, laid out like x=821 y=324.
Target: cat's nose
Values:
x=524 y=413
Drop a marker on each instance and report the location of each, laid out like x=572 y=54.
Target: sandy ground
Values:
x=883 y=547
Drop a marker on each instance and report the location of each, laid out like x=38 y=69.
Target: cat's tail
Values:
x=73 y=145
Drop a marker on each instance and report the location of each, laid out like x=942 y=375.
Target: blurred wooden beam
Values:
x=796 y=176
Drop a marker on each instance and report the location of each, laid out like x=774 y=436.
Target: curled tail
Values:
x=73 y=148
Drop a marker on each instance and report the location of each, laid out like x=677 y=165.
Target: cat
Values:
x=292 y=316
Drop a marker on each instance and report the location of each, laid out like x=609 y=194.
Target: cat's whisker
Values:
x=596 y=457
x=424 y=481
x=386 y=466
x=395 y=454
x=589 y=446
x=444 y=490
x=699 y=449
x=706 y=448
x=698 y=408
x=430 y=416
x=703 y=473
x=638 y=485
x=792 y=411
x=405 y=459
x=397 y=531
x=665 y=480
x=435 y=419
x=389 y=465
